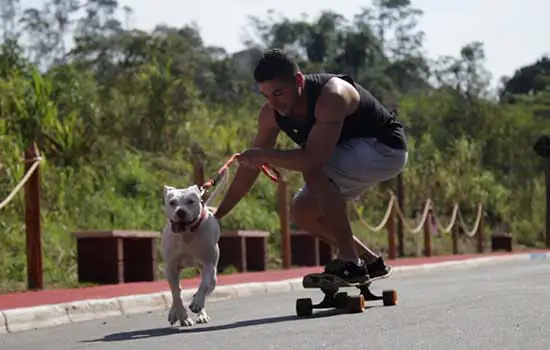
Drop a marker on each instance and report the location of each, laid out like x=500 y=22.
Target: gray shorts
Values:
x=361 y=163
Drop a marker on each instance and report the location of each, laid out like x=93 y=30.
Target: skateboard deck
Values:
x=327 y=280
x=330 y=284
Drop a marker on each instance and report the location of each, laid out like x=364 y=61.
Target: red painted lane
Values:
x=55 y=296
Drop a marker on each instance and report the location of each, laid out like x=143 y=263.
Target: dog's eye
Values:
x=190 y=201
x=173 y=202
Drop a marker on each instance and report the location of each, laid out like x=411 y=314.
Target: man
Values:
x=348 y=143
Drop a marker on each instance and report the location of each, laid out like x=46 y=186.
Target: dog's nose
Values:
x=180 y=213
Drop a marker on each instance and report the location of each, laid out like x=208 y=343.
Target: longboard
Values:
x=330 y=284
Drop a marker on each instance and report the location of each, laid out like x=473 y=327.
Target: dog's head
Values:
x=182 y=206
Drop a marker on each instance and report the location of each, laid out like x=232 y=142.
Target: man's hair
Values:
x=275 y=64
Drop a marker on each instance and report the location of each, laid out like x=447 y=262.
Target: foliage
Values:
x=115 y=114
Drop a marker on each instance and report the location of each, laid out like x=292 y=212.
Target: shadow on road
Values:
x=166 y=331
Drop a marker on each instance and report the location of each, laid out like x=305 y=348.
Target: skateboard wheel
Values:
x=341 y=300
x=389 y=297
x=304 y=307
x=356 y=304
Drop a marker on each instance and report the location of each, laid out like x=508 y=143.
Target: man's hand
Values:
x=252 y=158
x=266 y=137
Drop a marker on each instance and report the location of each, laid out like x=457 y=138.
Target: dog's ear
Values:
x=197 y=190
x=167 y=189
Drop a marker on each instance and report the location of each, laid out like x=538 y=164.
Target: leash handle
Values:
x=272 y=173
x=212 y=181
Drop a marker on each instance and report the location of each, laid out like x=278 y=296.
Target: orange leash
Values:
x=270 y=172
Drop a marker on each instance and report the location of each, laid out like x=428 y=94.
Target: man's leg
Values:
x=305 y=213
x=332 y=207
x=355 y=166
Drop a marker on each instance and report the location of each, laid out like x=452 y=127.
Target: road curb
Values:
x=3 y=324
x=28 y=318
x=469 y=262
x=86 y=310
x=35 y=317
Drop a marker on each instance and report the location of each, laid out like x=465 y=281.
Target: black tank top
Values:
x=370 y=120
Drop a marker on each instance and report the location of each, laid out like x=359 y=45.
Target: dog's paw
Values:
x=172 y=316
x=197 y=304
x=203 y=317
x=188 y=322
x=178 y=313
x=195 y=307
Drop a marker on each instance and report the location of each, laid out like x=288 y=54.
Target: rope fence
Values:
x=425 y=224
x=35 y=164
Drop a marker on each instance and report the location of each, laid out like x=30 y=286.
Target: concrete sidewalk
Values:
x=30 y=310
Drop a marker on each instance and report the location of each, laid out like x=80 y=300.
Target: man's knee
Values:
x=303 y=209
x=313 y=176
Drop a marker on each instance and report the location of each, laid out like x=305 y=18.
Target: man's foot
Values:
x=347 y=270
x=378 y=268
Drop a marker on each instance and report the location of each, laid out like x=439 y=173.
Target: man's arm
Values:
x=337 y=100
x=266 y=137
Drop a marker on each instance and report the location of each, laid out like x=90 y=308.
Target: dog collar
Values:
x=199 y=220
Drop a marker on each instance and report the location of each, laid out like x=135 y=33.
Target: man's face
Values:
x=282 y=94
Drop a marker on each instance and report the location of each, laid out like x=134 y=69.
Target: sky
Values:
x=512 y=30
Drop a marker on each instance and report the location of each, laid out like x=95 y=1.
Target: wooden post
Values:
x=284 y=222
x=393 y=106
x=455 y=232
x=428 y=234
x=390 y=226
x=480 y=230
x=542 y=148
x=401 y=201
x=198 y=174
x=197 y=155
x=547 y=170
x=32 y=222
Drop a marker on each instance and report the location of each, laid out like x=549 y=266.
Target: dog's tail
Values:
x=218 y=188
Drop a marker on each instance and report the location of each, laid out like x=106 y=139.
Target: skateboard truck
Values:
x=329 y=285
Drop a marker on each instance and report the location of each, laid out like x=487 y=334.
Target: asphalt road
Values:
x=498 y=306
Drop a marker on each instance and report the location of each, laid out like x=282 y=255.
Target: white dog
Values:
x=190 y=239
